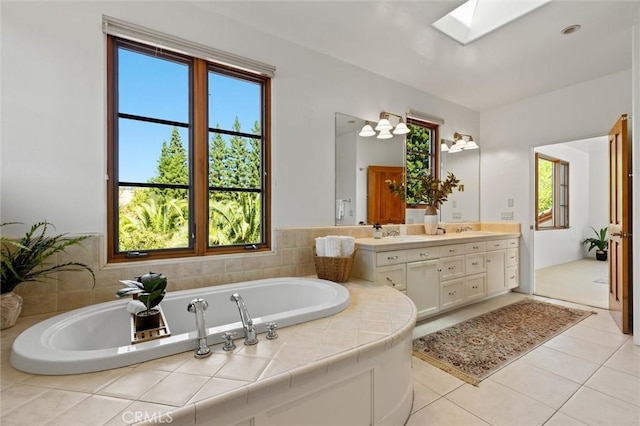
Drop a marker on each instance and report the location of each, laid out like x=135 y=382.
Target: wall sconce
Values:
x=462 y=141
x=384 y=126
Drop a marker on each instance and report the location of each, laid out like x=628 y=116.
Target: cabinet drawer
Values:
x=497 y=245
x=478 y=247
x=391 y=257
x=451 y=267
x=512 y=243
x=452 y=294
x=512 y=277
x=475 y=287
x=393 y=276
x=475 y=263
x=452 y=250
x=512 y=256
x=427 y=253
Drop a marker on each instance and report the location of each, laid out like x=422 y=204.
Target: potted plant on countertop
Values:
x=430 y=191
x=148 y=291
x=25 y=260
x=601 y=243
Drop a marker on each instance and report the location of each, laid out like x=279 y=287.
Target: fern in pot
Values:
x=25 y=260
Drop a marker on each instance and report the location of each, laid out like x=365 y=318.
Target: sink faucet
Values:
x=463 y=229
x=250 y=334
x=198 y=306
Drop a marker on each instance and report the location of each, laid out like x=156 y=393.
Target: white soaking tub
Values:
x=98 y=337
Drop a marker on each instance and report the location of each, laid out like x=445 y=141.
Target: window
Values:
x=188 y=155
x=421 y=155
x=552 y=193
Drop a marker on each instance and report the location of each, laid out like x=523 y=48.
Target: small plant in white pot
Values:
x=148 y=291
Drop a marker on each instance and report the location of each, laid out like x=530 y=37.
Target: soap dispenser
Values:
x=377 y=231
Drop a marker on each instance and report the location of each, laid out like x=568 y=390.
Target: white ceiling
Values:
x=395 y=39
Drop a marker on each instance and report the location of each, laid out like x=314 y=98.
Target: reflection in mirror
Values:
x=465 y=165
x=356 y=156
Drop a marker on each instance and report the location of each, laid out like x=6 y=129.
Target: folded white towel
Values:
x=339 y=209
x=321 y=246
x=347 y=245
x=333 y=247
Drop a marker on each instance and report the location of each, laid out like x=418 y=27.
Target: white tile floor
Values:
x=580 y=281
x=588 y=375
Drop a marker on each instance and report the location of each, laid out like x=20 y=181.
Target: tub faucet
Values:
x=198 y=306
x=250 y=334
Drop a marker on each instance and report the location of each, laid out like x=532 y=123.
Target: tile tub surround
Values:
x=292 y=257
x=379 y=321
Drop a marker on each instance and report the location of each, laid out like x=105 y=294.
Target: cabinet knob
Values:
x=391 y=281
x=488 y=260
x=451 y=268
x=452 y=293
x=474 y=263
x=475 y=286
x=392 y=257
x=424 y=254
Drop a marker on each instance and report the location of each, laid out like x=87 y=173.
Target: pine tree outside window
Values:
x=188 y=155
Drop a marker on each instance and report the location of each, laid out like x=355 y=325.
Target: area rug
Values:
x=476 y=348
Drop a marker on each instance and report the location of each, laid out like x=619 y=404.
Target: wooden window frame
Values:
x=199 y=159
x=434 y=153
x=559 y=213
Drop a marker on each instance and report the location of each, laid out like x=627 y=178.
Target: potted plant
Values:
x=25 y=260
x=601 y=243
x=148 y=291
x=432 y=192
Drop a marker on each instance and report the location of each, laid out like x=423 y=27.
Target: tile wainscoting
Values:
x=292 y=256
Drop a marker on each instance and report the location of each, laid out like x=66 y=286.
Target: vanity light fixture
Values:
x=385 y=127
x=443 y=146
x=367 y=130
x=462 y=143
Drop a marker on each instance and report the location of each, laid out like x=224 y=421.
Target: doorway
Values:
x=563 y=267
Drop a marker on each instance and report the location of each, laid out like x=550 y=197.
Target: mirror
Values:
x=354 y=155
x=462 y=206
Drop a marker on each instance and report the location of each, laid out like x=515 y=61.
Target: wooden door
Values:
x=620 y=266
x=382 y=205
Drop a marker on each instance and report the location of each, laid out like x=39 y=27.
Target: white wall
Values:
x=552 y=247
x=507 y=133
x=53 y=105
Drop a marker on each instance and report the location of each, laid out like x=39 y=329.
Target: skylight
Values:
x=476 y=18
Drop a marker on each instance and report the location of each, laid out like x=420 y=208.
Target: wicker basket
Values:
x=336 y=269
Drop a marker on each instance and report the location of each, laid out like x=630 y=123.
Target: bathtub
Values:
x=98 y=337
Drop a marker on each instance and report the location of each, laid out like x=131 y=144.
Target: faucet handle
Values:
x=228 y=340
x=271 y=330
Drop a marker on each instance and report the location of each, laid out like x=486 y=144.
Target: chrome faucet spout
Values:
x=198 y=306
x=250 y=333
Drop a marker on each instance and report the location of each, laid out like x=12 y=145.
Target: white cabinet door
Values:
x=393 y=276
x=423 y=286
x=496 y=271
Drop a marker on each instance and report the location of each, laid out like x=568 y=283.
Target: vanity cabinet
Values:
x=440 y=277
x=423 y=286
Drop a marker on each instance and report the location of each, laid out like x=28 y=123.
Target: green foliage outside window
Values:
x=545 y=185
x=158 y=218
x=418 y=161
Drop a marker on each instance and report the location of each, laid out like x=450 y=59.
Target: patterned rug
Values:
x=476 y=348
